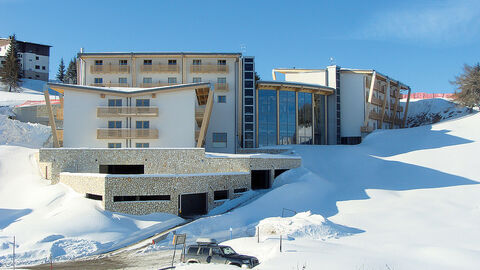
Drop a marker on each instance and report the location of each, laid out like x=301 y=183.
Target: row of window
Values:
x=148 y=80
x=38 y=67
x=137 y=145
x=149 y=62
x=142 y=124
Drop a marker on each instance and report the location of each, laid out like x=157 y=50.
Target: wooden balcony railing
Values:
x=376 y=101
x=374 y=115
x=221 y=87
x=127 y=111
x=366 y=129
x=158 y=84
x=159 y=68
x=59 y=114
x=109 y=68
x=209 y=68
x=126 y=133
x=109 y=84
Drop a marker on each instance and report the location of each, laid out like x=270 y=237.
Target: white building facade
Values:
x=34 y=58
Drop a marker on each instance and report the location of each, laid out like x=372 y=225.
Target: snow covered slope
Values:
x=429 y=111
x=403 y=199
x=29 y=90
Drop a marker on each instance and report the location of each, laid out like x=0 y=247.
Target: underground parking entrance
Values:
x=191 y=205
x=260 y=179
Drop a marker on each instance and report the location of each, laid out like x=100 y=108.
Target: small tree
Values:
x=71 y=76
x=61 y=71
x=469 y=85
x=10 y=72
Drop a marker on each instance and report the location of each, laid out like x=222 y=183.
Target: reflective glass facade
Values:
x=301 y=120
x=267 y=117
x=287 y=117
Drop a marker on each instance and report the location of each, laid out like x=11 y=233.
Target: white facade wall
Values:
x=314 y=77
x=28 y=61
x=175 y=121
x=223 y=117
x=352 y=108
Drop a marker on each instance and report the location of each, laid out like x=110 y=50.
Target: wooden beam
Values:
x=386 y=97
x=370 y=95
x=397 y=98
x=51 y=117
x=206 y=120
x=406 y=108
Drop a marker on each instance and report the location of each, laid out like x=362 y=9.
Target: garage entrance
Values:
x=260 y=179
x=280 y=171
x=122 y=169
x=192 y=204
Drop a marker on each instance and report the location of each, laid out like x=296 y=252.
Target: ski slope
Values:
x=403 y=199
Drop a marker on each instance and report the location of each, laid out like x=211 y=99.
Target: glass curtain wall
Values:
x=267 y=117
x=287 y=117
x=319 y=119
x=305 y=121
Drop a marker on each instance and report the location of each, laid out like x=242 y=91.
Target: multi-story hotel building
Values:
x=34 y=58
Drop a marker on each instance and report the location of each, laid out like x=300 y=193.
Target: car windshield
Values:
x=228 y=251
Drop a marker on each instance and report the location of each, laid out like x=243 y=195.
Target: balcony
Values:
x=109 y=84
x=126 y=133
x=376 y=101
x=127 y=111
x=399 y=108
x=158 y=84
x=366 y=129
x=374 y=115
x=109 y=68
x=159 y=68
x=221 y=87
x=208 y=68
x=399 y=122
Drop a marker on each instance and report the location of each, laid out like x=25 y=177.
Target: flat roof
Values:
x=296 y=86
x=25 y=42
x=156 y=53
x=128 y=90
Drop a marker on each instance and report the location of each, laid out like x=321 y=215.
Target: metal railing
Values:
x=127 y=111
x=126 y=133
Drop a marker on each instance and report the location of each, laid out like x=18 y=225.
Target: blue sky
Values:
x=422 y=43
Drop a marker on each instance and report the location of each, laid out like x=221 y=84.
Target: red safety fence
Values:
x=428 y=95
x=38 y=102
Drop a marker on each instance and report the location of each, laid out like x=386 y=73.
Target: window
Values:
x=172 y=62
x=147 y=80
x=248 y=67
x=205 y=251
x=222 y=80
x=197 y=79
x=142 y=145
x=249 y=75
x=197 y=62
x=143 y=102
x=220 y=195
x=114 y=145
x=222 y=99
x=98 y=62
x=219 y=139
x=37 y=67
x=248 y=101
x=239 y=190
x=43 y=67
x=122 y=80
x=122 y=62
x=147 y=62
x=249 y=118
x=248 y=92
x=222 y=62
x=142 y=124
x=192 y=250
x=114 y=103
x=98 y=80
x=114 y=124
x=132 y=198
x=37 y=58
x=249 y=84
x=172 y=80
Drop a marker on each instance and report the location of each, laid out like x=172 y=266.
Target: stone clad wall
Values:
x=84 y=183
x=172 y=185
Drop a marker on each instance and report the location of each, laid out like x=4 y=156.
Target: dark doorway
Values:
x=122 y=169
x=260 y=179
x=192 y=204
x=280 y=171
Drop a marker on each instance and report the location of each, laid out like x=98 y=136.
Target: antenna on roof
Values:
x=332 y=61
x=81 y=50
x=243 y=49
